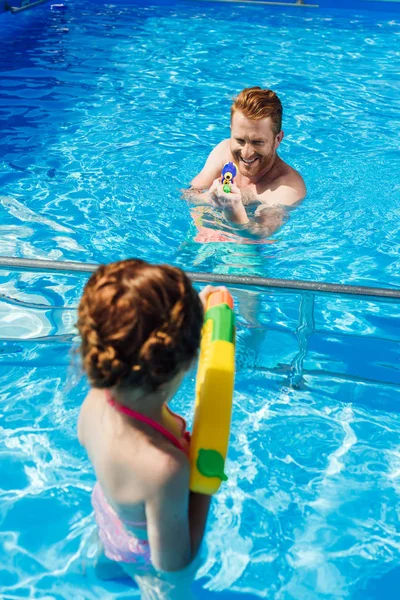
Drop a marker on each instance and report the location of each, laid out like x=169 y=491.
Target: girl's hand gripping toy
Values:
x=228 y=174
x=214 y=391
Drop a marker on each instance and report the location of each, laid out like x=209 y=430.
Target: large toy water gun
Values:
x=214 y=392
x=228 y=174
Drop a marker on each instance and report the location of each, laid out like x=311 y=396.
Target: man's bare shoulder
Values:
x=290 y=184
x=287 y=188
x=222 y=152
x=225 y=147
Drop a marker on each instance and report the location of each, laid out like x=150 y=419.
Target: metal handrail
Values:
x=268 y=2
x=17 y=9
x=292 y=285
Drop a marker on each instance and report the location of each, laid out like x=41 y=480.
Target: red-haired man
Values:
x=263 y=178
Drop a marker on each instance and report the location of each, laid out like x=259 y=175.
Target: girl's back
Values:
x=130 y=459
x=140 y=326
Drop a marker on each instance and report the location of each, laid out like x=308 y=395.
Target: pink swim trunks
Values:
x=205 y=235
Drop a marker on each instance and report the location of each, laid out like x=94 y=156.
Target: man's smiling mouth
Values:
x=248 y=162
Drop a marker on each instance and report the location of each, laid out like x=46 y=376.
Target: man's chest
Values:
x=252 y=195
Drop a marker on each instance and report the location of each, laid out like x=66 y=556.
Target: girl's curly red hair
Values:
x=140 y=324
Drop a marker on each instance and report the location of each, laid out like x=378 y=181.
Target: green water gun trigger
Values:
x=210 y=463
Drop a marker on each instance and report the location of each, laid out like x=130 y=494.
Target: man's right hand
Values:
x=222 y=199
x=231 y=203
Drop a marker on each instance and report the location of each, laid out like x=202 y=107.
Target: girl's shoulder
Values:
x=86 y=412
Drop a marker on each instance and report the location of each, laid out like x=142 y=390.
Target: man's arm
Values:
x=198 y=192
x=265 y=224
x=196 y=197
x=213 y=167
x=268 y=220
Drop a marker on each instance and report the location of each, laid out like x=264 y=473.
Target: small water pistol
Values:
x=228 y=174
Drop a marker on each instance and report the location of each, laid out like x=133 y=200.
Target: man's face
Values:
x=253 y=144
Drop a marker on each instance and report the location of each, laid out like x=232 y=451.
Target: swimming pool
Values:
x=101 y=127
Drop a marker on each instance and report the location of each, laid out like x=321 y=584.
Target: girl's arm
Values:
x=199 y=505
x=176 y=519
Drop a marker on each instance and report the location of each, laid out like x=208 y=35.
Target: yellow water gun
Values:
x=214 y=392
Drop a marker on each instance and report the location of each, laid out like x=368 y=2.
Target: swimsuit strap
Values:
x=139 y=417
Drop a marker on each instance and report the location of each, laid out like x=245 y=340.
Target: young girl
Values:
x=140 y=326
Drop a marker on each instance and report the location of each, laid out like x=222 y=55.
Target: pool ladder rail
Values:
x=19 y=5
x=13 y=263
x=298 y=3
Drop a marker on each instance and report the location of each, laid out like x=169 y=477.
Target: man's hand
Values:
x=231 y=203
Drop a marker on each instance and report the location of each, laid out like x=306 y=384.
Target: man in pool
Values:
x=265 y=186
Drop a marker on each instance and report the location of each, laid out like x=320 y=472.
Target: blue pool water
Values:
x=105 y=114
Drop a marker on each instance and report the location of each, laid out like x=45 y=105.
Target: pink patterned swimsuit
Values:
x=120 y=544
